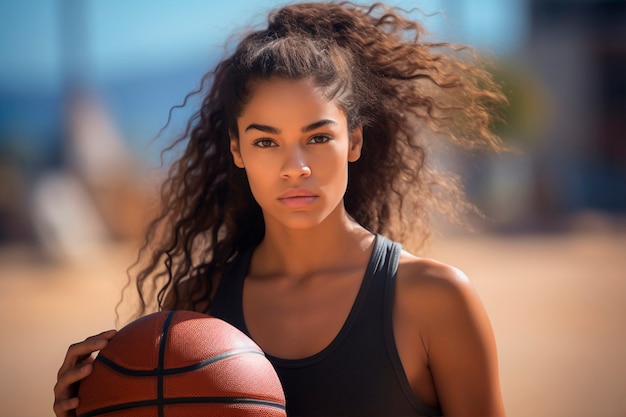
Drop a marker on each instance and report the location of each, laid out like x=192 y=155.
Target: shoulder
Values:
x=430 y=271
x=437 y=297
x=432 y=280
x=443 y=314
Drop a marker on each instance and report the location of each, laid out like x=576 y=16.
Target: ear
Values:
x=356 y=143
x=235 y=151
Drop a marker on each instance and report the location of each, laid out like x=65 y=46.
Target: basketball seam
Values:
x=162 y=347
x=174 y=371
x=160 y=402
x=182 y=400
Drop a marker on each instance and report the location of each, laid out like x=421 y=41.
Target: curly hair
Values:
x=405 y=92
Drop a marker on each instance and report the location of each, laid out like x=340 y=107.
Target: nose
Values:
x=294 y=164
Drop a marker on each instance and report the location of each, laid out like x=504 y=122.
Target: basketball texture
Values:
x=181 y=363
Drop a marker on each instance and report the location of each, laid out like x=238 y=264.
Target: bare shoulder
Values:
x=430 y=269
x=430 y=284
x=437 y=308
x=439 y=301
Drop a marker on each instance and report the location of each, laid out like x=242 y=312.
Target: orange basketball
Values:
x=181 y=363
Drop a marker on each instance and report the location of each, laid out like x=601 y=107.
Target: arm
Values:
x=76 y=366
x=461 y=348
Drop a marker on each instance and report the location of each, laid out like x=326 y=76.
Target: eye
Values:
x=264 y=143
x=320 y=139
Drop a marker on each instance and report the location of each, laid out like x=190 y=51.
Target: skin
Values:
x=306 y=273
x=76 y=366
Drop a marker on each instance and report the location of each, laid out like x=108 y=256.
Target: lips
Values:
x=297 y=197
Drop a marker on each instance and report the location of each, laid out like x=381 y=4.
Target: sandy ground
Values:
x=557 y=303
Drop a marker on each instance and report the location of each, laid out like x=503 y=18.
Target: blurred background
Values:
x=86 y=86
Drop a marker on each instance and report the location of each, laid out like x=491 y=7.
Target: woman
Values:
x=312 y=144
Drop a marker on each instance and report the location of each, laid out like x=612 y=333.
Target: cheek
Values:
x=331 y=173
x=332 y=163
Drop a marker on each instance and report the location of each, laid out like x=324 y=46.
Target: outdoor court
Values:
x=557 y=304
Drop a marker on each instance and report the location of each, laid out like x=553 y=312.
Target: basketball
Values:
x=181 y=363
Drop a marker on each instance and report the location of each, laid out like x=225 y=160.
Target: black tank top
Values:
x=359 y=373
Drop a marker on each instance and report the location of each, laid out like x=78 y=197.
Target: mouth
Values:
x=296 y=198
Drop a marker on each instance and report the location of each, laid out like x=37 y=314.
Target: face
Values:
x=295 y=148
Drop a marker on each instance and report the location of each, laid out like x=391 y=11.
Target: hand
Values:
x=76 y=366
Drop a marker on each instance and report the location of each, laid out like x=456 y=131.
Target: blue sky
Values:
x=133 y=36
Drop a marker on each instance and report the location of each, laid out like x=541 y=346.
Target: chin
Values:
x=299 y=221
x=302 y=224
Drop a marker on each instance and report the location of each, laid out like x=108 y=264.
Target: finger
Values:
x=76 y=366
x=88 y=359
x=78 y=352
x=65 y=408
x=91 y=344
x=106 y=335
x=65 y=388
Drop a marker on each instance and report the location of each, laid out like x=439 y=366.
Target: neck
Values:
x=297 y=252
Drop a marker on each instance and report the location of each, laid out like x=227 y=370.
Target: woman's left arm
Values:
x=462 y=350
x=458 y=340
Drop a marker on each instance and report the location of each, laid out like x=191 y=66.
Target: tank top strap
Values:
x=227 y=301
x=381 y=269
x=386 y=258
x=361 y=362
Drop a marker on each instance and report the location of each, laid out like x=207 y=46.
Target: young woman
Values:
x=308 y=158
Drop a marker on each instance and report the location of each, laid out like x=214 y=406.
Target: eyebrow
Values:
x=276 y=131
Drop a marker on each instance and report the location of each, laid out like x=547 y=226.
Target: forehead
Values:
x=282 y=99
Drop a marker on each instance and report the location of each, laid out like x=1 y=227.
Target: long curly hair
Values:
x=406 y=93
